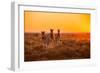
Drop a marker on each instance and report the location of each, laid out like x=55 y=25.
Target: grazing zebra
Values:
x=45 y=39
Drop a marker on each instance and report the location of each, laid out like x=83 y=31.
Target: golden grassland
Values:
x=72 y=46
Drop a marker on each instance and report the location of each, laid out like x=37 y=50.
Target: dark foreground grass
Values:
x=67 y=49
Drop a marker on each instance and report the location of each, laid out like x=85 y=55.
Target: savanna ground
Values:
x=72 y=46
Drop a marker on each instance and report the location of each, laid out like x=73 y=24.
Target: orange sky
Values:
x=66 y=22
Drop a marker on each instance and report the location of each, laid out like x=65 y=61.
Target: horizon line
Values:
x=57 y=32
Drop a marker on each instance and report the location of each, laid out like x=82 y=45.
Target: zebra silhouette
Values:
x=45 y=39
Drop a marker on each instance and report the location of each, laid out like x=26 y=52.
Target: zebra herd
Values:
x=50 y=40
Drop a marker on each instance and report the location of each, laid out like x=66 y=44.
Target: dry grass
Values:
x=72 y=46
